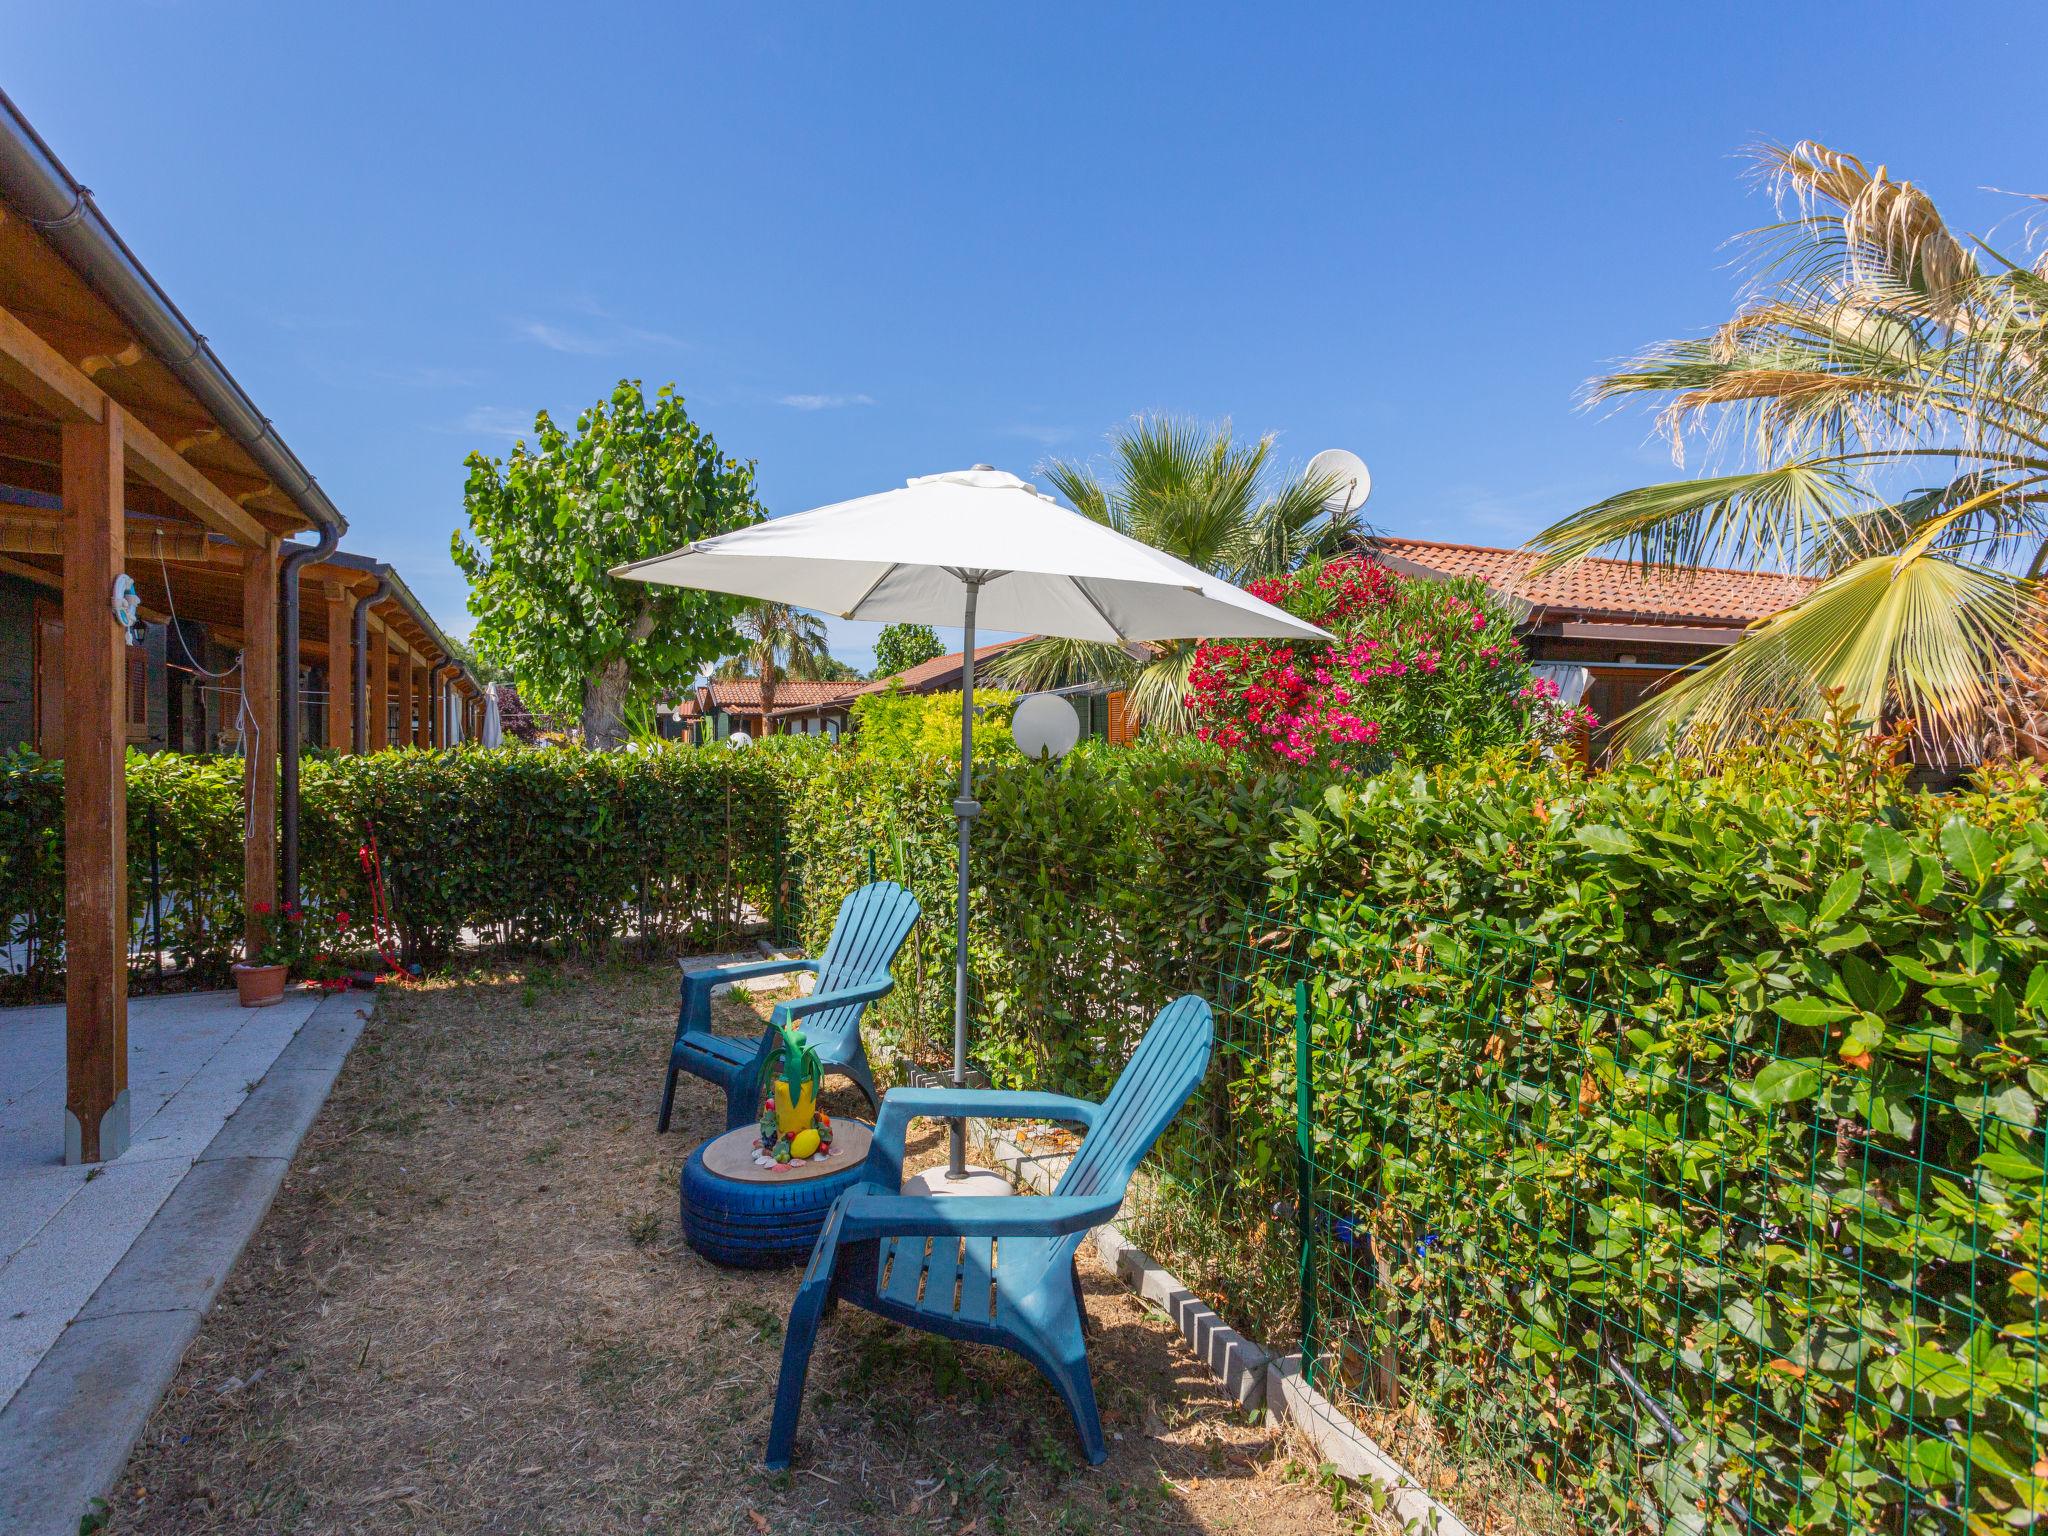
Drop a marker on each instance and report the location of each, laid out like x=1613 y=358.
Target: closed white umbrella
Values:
x=493 y=732
x=995 y=551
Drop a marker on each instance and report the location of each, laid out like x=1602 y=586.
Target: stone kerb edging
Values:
x=1253 y=1376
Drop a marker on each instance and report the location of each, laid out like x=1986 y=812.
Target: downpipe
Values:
x=289 y=726
x=361 y=683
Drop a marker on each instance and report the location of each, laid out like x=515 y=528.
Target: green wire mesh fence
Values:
x=1601 y=1228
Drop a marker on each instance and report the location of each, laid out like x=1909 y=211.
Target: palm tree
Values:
x=781 y=641
x=1204 y=498
x=1884 y=391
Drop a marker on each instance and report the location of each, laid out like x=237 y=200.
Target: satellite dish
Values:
x=1350 y=480
x=1044 y=724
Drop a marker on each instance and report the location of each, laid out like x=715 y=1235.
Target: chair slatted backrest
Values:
x=1160 y=1077
x=872 y=925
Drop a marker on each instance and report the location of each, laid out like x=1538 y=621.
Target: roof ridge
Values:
x=1621 y=560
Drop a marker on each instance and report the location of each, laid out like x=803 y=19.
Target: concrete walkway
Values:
x=105 y=1272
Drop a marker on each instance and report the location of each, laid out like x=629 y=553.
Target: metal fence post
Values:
x=156 y=899
x=1305 y=1182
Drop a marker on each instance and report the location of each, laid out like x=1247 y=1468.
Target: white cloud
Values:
x=604 y=336
x=825 y=402
x=499 y=421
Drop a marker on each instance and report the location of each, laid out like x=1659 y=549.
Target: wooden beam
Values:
x=380 y=685
x=102 y=362
x=259 y=735
x=34 y=573
x=49 y=379
x=38 y=370
x=28 y=534
x=157 y=462
x=95 y=799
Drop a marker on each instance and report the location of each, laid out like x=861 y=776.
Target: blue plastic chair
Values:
x=873 y=922
x=992 y=1269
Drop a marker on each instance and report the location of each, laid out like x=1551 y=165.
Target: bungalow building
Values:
x=1608 y=631
x=713 y=711
x=168 y=579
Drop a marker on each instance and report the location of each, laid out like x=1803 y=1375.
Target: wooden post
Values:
x=379 y=703
x=95 y=796
x=341 y=668
x=408 y=701
x=423 y=707
x=259 y=733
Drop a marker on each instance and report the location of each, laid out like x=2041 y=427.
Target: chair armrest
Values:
x=794 y=1008
x=902 y=1105
x=974 y=1215
x=698 y=985
x=747 y=970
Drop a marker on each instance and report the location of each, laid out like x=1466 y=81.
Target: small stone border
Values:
x=66 y=1435
x=1258 y=1380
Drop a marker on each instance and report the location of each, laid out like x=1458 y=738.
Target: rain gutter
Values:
x=36 y=184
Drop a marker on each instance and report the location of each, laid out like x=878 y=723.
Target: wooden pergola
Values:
x=111 y=465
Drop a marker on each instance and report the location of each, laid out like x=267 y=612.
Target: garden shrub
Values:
x=1677 y=1129
x=1798 y=1200
x=675 y=848
x=1421 y=672
x=897 y=726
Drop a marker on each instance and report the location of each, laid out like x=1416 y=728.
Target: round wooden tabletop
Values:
x=731 y=1156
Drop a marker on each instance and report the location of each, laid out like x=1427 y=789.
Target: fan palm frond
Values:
x=1875 y=339
x=1047 y=661
x=1924 y=635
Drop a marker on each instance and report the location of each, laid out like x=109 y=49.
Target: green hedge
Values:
x=1676 y=1131
x=1797 y=1203
x=1101 y=887
x=679 y=850
x=1723 y=1084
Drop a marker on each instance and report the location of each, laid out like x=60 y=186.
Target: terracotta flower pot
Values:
x=260 y=985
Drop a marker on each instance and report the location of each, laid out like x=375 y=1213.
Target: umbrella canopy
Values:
x=972 y=546
x=902 y=557
x=493 y=732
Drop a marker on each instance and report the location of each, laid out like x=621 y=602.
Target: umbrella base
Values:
x=974 y=1181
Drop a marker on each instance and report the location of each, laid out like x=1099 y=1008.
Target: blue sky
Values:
x=876 y=241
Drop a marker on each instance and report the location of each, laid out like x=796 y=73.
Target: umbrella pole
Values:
x=964 y=810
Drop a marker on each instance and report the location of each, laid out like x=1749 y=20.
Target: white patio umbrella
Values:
x=986 y=548
x=493 y=732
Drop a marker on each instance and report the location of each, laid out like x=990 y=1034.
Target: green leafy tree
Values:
x=1882 y=395
x=905 y=645
x=638 y=478
x=1205 y=498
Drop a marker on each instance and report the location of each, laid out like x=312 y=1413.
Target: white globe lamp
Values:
x=1045 y=725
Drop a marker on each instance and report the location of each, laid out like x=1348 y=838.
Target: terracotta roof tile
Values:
x=939 y=668
x=744 y=693
x=1612 y=588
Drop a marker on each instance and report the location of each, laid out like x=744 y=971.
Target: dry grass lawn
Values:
x=471 y=1310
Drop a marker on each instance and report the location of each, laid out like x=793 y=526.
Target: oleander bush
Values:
x=1419 y=672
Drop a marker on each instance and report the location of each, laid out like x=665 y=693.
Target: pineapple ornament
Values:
x=792 y=1129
